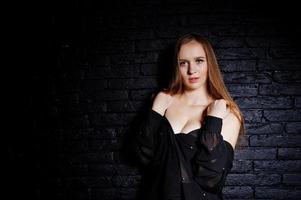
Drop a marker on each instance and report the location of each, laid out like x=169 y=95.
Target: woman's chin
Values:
x=192 y=86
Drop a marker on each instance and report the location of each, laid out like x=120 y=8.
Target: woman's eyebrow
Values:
x=195 y=58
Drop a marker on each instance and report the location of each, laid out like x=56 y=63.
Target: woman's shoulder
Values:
x=163 y=92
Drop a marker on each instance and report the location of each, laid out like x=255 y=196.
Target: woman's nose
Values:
x=192 y=68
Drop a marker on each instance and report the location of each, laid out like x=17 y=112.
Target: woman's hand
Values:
x=161 y=102
x=218 y=108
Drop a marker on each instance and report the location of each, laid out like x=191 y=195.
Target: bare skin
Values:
x=184 y=112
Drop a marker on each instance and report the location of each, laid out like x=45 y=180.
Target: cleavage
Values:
x=181 y=132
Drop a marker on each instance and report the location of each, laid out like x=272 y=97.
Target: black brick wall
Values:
x=104 y=60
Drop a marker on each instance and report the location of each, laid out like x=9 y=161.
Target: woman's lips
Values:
x=193 y=80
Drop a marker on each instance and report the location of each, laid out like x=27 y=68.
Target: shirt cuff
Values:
x=213 y=124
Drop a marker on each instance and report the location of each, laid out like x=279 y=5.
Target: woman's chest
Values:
x=184 y=119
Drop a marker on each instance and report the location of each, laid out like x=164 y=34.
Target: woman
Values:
x=188 y=137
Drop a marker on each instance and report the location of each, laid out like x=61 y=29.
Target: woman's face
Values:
x=192 y=64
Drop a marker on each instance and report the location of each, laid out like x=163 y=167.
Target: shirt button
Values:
x=204 y=194
x=191 y=147
x=182 y=179
x=223 y=168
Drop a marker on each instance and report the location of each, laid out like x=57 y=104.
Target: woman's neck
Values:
x=196 y=97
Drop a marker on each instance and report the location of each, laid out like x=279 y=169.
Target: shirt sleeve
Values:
x=214 y=156
x=144 y=141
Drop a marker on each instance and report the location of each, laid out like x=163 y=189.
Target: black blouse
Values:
x=183 y=166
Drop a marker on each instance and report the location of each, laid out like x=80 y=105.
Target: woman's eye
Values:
x=199 y=61
x=182 y=63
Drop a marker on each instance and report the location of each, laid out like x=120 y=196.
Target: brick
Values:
x=252 y=115
x=245 y=77
x=137 y=83
x=104 y=169
x=88 y=134
x=137 y=34
x=174 y=24
x=242 y=90
x=241 y=166
x=72 y=169
x=74 y=146
x=282 y=115
x=141 y=21
x=231 y=18
x=136 y=57
x=94 y=85
x=149 y=69
x=281 y=41
x=226 y=30
x=277 y=165
x=232 y=192
x=74 y=193
x=149 y=57
x=80 y=158
x=117 y=47
x=114 y=72
x=264 y=102
x=287 y=77
x=113 y=169
x=116 y=22
x=276 y=140
x=179 y=9
x=151 y=45
x=289 y=153
x=141 y=94
x=260 y=30
x=292 y=179
x=257 y=42
x=279 y=89
x=101 y=133
x=278 y=64
x=256 y=153
x=105 y=193
x=126 y=181
x=128 y=193
x=241 y=53
x=103 y=145
x=298 y=102
x=277 y=193
x=264 y=128
x=88 y=182
x=111 y=95
x=293 y=127
x=111 y=118
x=78 y=121
x=281 y=52
x=90 y=106
x=253 y=179
x=226 y=42
x=124 y=106
x=123 y=58
x=175 y=32
x=237 y=65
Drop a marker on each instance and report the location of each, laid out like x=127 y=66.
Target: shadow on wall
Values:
x=164 y=65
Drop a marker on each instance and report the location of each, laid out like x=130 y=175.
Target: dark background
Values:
x=93 y=66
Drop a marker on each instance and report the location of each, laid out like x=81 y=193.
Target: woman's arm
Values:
x=214 y=156
x=144 y=140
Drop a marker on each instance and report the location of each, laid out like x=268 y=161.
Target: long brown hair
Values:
x=215 y=84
